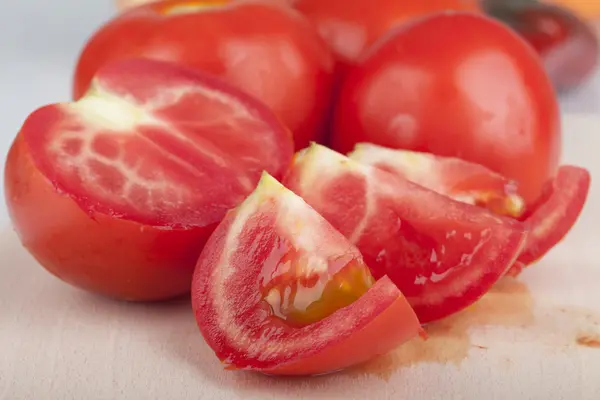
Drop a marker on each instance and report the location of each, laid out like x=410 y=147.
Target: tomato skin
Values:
x=560 y=206
x=266 y=49
x=114 y=257
x=351 y=26
x=461 y=85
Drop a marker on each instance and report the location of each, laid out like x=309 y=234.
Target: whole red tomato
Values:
x=456 y=84
x=350 y=26
x=264 y=48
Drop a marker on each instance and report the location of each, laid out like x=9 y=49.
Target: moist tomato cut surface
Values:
x=461 y=180
x=118 y=191
x=279 y=290
x=442 y=254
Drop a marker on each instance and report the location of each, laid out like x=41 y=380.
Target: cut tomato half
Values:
x=561 y=205
x=277 y=289
x=441 y=253
x=117 y=192
x=461 y=180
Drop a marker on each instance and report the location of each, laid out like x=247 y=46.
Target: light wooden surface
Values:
x=520 y=342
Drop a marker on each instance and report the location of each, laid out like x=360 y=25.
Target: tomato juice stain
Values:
x=509 y=303
x=589 y=340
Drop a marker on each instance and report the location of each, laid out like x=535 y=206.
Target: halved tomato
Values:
x=441 y=253
x=562 y=202
x=461 y=180
x=279 y=290
x=117 y=192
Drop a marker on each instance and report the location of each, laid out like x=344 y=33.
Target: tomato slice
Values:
x=562 y=202
x=279 y=290
x=442 y=254
x=117 y=192
x=461 y=180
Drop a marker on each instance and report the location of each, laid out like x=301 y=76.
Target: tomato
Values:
x=266 y=49
x=560 y=206
x=442 y=254
x=351 y=26
x=117 y=193
x=277 y=289
x=461 y=180
x=460 y=85
x=125 y=4
x=567 y=45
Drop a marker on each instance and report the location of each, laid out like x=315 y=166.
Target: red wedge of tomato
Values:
x=561 y=205
x=442 y=254
x=277 y=289
x=117 y=192
x=266 y=49
x=461 y=180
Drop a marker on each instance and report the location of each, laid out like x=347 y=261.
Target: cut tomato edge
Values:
x=569 y=215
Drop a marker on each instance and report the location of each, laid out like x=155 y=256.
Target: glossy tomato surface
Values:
x=442 y=254
x=117 y=193
x=277 y=289
x=266 y=49
x=351 y=26
x=456 y=84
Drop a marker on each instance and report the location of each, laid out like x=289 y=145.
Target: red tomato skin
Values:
x=114 y=257
x=461 y=85
x=563 y=200
x=266 y=49
x=351 y=26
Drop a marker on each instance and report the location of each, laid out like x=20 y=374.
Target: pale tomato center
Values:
x=304 y=294
x=191 y=7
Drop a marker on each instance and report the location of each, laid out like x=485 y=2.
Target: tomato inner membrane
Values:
x=190 y=7
x=305 y=294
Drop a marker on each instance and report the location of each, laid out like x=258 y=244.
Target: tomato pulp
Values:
x=461 y=85
x=117 y=193
x=277 y=289
x=441 y=253
x=266 y=49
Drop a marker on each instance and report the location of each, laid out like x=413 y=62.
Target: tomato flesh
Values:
x=117 y=193
x=461 y=180
x=244 y=255
x=442 y=254
x=458 y=85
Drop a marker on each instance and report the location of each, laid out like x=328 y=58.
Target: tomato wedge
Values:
x=277 y=289
x=461 y=180
x=116 y=193
x=562 y=203
x=442 y=254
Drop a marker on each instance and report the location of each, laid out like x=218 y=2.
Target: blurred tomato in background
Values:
x=566 y=42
